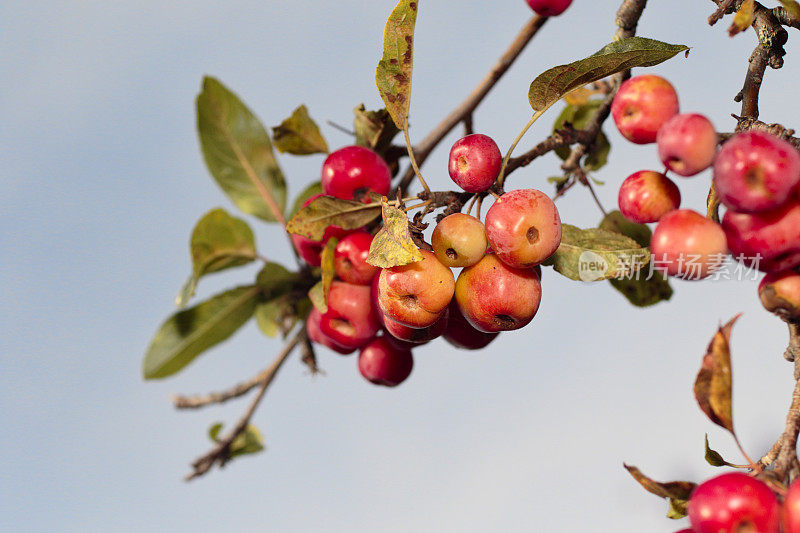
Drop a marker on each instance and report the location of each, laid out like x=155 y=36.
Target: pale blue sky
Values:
x=103 y=181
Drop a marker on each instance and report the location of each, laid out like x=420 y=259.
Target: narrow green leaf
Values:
x=553 y=84
x=639 y=290
x=312 y=220
x=213 y=431
x=317 y=296
x=374 y=129
x=393 y=75
x=713 y=386
x=219 y=241
x=714 y=458
x=596 y=254
x=299 y=135
x=328 y=265
x=392 y=245
x=312 y=190
x=792 y=7
x=238 y=152
x=187 y=334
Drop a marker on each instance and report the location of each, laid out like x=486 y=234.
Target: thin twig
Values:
x=220 y=453
x=426 y=146
x=340 y=128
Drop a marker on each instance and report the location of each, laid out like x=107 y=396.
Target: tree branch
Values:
x=465 y=109
x=785 y=18
x=220 y=453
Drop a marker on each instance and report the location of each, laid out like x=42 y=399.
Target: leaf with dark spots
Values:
x=393 y=75
x=713 y=386
x=393 y=245
x=299 y=135
x=312 y=220
x=553 y=84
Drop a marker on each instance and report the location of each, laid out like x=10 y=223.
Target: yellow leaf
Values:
x=392 y=245
x=743 y=18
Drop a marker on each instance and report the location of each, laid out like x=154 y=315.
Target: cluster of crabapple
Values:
x=756 y=177
x=385 y=312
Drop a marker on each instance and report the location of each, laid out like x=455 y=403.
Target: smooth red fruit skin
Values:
x=311 y=251
x=642 y=105
x=523 y=228
x=772 y=236
x=461 y=334
x=350 y=259
x=350 y=171
x=384 y=363
x=416 y=335
x=755 y=171
x=316 y=335
x=687 y=144
x=350 y=320
x=724 y=503
x=780 y=294
x=646 y=196
x=791 y=509
x=687 y=245
x=416 y=294
x=459 y=240
x=474 y=162
x=549 y=8
x=493 y=296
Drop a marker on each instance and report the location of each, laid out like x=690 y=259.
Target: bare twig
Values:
x=563 y=137
x=724 y=7
x=786 y=459
x=793 y=349
x=785 y=18
x=220 y=453
x=751 y=124
x=426 y=146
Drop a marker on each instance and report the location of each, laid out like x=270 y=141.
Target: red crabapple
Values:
x=687 y=245
x=731 y=502
x=316 y=335
x=523 y=227
x=459 y=240
x=755 y=171
x=791 y=509
x=549 y=8
x=474 y=162
x=687 y=144
x=780 y=294
x=350 y=259
x=769 y=240
x=646 y=196
x=384 y=363
x=461 y=334
x=350 y=320
x=352 y=171
x=642 y=104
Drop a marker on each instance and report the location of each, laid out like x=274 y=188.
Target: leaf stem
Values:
x=521 y=134
x=414 y=160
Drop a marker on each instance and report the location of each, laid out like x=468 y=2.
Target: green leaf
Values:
x=677 y=492
x=275 y=316
x=247 y=442
x=639 y=290
x=374 y=129
x=596 y=254
x=219 y=241
x=328 y=265
x=312 y=190
x=714 y=458
x=213 y=431
x=792 y=7
x=187 y=334
x=276 y=312
x=312 y=220
x=238 y=152
x=317 y=296
x=580 y=116
x=713 y=386
x=616 y=222
x=299 y=135
x=274 y=280
x=392 y=245
x=553 y=84
x=393 y=75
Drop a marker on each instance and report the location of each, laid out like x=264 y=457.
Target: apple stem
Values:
x=471 y=203
x=478 y=208
x=414 y=161
x=536 y=115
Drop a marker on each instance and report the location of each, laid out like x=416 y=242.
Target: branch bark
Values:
x=220 y=453
x=466 y=108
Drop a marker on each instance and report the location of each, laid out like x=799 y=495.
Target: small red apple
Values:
x=474 y=162
x=384 y=363
x=768 y=240
x=459 y=240
x=687 y=144
x=642 y=104
x=646 y=196
x=687 y=245
x=549 y=8
x=350 y=320
x=350 y=259
x=731 y=502
x=316 y=335
x=791 y=509
x=780 y=294
x=352 y=171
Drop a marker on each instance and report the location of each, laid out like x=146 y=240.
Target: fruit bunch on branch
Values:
x=382 y=269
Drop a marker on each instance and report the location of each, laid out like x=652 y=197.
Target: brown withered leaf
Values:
x=392 y=245
x=299 y=135
x=712 y=388
x=679 y=490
